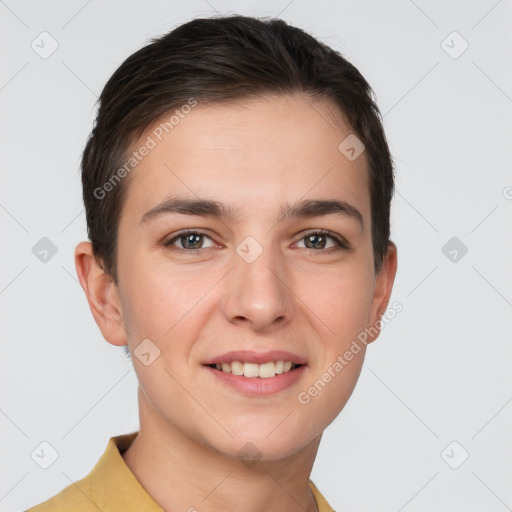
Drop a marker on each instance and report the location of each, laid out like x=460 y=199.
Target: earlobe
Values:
x=102 y=294
x=382 y=293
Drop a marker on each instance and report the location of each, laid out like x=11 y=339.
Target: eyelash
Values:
x=340 y=243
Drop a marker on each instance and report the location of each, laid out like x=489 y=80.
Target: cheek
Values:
x=340 y=300
x=154 y=298
x=326 y=393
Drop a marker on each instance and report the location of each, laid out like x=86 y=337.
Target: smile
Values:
x=255 y=370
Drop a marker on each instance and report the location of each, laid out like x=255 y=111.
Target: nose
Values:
x=258 y=293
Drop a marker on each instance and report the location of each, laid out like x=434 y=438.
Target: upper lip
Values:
x=248 y=356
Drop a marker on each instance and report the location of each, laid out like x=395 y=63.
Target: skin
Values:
x=255 y=156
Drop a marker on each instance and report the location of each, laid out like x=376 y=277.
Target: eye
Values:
x=318 y=240
x=189 y=240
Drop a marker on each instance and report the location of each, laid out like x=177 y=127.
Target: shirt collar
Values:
x=111 y=474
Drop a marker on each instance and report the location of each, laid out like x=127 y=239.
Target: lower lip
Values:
x=256 y=385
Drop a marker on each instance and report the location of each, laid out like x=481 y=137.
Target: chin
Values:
x=264 y=442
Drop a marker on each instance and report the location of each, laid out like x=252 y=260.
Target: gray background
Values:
x=439 y=373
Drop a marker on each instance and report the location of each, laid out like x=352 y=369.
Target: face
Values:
x=255 y=279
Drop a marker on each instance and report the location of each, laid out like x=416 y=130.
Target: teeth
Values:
x=254 y=370
x=251 y=369
x=237 y=368
x=266 y=370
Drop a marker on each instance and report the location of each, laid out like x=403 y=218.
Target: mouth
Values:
x=250 y=370
x=257 y=373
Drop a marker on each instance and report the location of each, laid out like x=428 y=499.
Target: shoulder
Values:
x=75 y=497
x=109 y=486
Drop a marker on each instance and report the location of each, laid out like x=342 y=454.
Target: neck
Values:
x=180 y=473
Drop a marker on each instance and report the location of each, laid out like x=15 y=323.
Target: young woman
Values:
x=237 y=186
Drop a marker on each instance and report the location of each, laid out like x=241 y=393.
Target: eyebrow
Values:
x=215 y=209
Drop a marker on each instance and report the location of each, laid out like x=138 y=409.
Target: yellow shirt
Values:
x=112 y=487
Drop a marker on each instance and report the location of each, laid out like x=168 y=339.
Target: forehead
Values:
x=249 y=153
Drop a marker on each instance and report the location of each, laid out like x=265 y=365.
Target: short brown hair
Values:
x=214 y=60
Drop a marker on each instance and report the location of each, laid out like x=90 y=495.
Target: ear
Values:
x=102 y=294
x=382 y=291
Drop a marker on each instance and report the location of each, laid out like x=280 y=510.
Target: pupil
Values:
x=314 y=238
x=190 y=238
